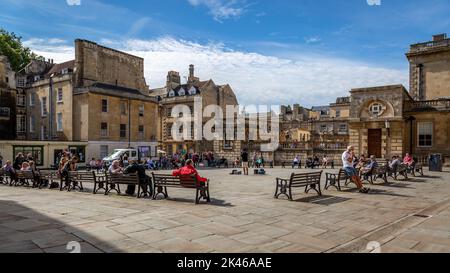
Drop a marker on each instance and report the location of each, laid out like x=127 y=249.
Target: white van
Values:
x=118 y=154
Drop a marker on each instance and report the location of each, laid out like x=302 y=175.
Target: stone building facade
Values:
x=91 y=105
x=429 y=69
x=319 y=131
x=8 y=101
x=377 y=121
x=175 y=93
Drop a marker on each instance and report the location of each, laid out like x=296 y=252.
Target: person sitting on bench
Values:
x=189 y=169
x=134 y=167
x=368 y=170
x=8 y=168
x=395 y=162
x=347 y=160
x=408 y=160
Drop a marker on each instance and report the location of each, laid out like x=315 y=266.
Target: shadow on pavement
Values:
x=214 y=201
x=26 y=230
x=325 y=200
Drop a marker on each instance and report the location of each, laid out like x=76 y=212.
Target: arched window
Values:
x=376 y=109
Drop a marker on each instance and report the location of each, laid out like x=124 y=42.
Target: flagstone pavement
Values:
x=405 y=216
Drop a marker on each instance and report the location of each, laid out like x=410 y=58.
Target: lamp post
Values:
x=387 y=124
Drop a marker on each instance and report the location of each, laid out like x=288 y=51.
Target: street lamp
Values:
x=387 y=124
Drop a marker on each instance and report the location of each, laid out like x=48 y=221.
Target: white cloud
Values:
x=256 y=78
x=311 y=40
x=220 y=9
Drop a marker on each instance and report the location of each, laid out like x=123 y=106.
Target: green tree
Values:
x=11 y=46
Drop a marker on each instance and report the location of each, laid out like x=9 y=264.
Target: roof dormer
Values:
x=192 y=91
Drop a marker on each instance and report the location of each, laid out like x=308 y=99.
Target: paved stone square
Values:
x=405 y=216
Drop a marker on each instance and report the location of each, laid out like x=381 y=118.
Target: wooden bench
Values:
x=399 y=170
x=163 y=181
x=380 y=172
x=76 y=180
x=125 y=179
x=311 y=181
x=25 y=178
x=334 y=180
x=47 y=177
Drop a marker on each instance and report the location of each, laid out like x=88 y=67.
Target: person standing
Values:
x=18 y=161
x=244 y=157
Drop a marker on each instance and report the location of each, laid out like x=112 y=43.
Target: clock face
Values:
x=376 y=109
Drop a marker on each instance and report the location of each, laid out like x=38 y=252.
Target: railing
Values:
x=294 y=146
x=430 y=105
x=429 y=45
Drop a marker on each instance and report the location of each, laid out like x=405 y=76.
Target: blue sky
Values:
x=305 y=51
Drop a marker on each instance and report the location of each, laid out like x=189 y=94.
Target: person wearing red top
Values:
x=408 y=160
x=189 y=170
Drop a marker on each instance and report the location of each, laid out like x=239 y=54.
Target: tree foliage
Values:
x=11 y=46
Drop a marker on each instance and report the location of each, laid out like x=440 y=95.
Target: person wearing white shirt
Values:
x=347 y=162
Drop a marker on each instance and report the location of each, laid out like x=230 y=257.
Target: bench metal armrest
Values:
x=281 y=179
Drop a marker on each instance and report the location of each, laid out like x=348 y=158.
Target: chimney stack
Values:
x=439 y=37
x=191 y=71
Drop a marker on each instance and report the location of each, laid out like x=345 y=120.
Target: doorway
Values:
x=374 y=142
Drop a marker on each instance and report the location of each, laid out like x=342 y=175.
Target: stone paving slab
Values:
x=243 y=217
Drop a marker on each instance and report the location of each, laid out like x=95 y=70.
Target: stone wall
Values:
x=114 y=118
x=96 y=63
x=432 y=71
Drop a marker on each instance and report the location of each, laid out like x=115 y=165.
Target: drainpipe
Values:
x=129 y=122
x=50 y=103
x=419 y=82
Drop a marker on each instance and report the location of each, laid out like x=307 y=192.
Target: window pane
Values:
x=425 y=134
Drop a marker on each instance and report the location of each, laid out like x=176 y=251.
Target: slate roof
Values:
x=57 y=68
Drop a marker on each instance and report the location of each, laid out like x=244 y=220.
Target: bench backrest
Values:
x=304 y=179
x=25 y=175
x=165 y=179
x=188 y=181
x=48 y=174
x=82 y=176
x=381 y=169
x=124 y=178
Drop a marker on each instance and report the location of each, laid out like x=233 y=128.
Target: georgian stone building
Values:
x=321 y=130
x=389 y=120
x=385 y=120
x=91 y=105
x=175 y=93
